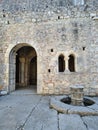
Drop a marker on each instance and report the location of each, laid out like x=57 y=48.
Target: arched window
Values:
x=71 y=63
x=61 y=62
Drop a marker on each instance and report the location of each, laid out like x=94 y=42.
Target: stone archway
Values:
x=20 y=58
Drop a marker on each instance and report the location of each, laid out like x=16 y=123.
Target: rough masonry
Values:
x=50 y=43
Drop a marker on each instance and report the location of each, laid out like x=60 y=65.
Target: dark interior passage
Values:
x=17 y=69
x=26 y=67
x=33 y=71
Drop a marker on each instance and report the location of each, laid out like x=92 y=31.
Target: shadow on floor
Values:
x=29 y=90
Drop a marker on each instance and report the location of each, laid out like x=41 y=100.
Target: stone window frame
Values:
x=63 y=62
x=73 y=64
x=75 y=60
x=66 y=58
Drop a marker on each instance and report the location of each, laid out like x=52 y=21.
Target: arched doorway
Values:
x=22 y=67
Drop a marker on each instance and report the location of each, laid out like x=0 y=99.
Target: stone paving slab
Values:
x=42 y=118
x=26 y=111
x=91 y=122
x=71 y=122
x=15 y=110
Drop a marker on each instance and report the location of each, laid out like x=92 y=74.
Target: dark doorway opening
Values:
x=26 y=67
x=33 y=71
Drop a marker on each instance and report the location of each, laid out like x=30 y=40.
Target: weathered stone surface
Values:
x=77 y=94
x=24 y=110
x=1 y=87
x=59 y=106
x=95 y=99
x=52 y=28
x=42 y=118
x=56 y=104
x=39 y=5
x=3 y=93
x=15 y=109
x=94 y=107
x=71 y=122
x=91 y=122
x=83 y=111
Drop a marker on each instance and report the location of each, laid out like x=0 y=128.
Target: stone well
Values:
x=77 y=95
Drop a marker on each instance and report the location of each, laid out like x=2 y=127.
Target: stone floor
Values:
x=25 y=110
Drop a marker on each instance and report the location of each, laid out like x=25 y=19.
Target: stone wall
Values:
x=59 y=28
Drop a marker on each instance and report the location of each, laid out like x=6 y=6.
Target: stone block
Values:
x=91 y=122
x=2 y=93
x=50 y=85
x=71 y=122
x=1 y=87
